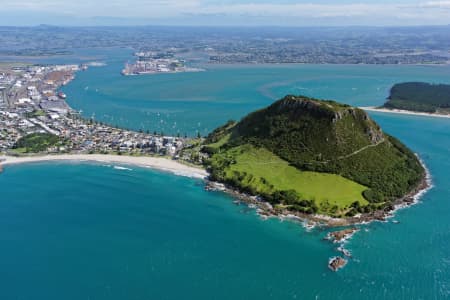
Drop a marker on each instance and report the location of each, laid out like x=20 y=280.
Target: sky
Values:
x=225 y=12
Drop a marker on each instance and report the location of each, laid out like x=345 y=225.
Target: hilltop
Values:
x=420 y=97
x=313 y=156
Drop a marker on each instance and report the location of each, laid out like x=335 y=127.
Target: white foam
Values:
x=122 y=168
x=419 y=195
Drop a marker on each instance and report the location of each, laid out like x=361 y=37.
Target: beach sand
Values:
x=404 y=112
x=158 y=163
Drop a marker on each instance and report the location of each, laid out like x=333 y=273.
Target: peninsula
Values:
x=316 y=159
x=417 y=98
x=36 y=124
x=319 y=160
x=155 y=63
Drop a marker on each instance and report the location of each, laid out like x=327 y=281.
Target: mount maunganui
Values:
x=314 y=156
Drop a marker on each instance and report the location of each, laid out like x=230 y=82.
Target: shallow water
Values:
x=87 y=231
x=186 y=103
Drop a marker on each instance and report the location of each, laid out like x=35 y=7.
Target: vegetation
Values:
x=259 y=171
x=219 y=137
x=329 y=154
x=37 y=142
x=419 y=96
x=35 y=113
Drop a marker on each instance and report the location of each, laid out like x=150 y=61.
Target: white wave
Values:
x=417 y=196
x=122 y=168
x=188 y=174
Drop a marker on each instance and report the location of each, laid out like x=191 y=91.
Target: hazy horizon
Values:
x=285 y=13
x=224 y=26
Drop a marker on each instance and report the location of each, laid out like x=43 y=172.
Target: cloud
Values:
x=436 y=4
x=117 y=8
x=426 y=12
x=297 y=10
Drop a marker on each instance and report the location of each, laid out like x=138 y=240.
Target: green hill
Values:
x=313 y=156
x=420 y=96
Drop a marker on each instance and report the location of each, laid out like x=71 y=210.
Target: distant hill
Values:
x=313 y=156
x=420 y=96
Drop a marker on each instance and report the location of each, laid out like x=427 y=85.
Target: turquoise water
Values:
x=89 y=231
x=86 y=231
x=191 y=102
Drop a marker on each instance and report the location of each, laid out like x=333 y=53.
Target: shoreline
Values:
x=157 y=163
x=157 y=73
x=404 y=112
x=265 y=210
x=414 y=196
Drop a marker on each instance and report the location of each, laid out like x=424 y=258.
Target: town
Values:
x=202 y=47
x=151 y=62
x=31 y=107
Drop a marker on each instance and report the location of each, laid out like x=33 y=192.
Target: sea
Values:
x=96 y=231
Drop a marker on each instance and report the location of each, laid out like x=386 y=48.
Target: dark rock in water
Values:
x=409 y=200
x=341 y=235
x=336 y=263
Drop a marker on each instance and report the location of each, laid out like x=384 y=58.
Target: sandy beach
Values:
x=404 y=112
x=158 y=163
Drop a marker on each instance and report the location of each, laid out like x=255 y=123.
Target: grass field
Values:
x=261 y=163
x=221 y=142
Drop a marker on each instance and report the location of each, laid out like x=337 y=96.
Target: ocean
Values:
x=92 y=231
x=187 y=103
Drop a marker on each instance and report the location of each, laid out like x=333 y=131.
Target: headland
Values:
x=417 y=98
x=318 y=160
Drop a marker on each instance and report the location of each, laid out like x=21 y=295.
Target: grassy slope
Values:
x=300 y=149
x=221 y=142
x=261 y=163
x=327 y=137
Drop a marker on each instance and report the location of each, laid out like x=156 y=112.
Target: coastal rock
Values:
x=341 y=235
x=214 y=187
x=336 y=263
